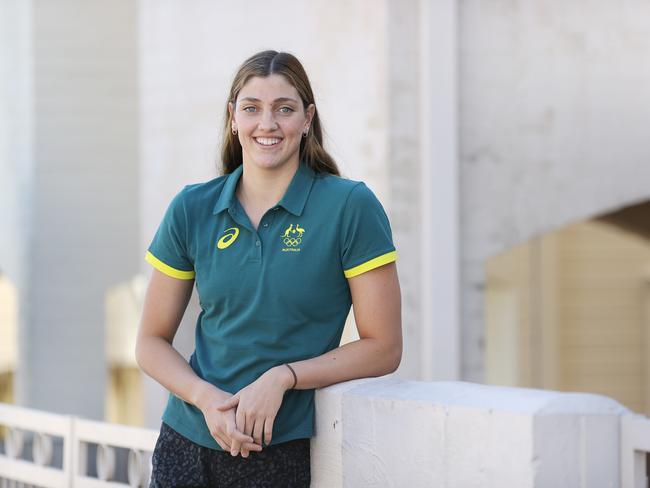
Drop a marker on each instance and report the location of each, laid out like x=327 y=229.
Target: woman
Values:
x=279 y=247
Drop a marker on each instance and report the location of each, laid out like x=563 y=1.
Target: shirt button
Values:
x=266 y=224
x=257 y=243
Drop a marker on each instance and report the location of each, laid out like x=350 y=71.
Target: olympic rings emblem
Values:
x=290 y=241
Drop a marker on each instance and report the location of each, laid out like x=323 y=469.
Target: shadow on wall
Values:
x=570 y=310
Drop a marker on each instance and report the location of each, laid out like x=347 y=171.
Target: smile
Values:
x=268 y=141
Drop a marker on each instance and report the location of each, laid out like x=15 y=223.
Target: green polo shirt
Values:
x=273 y=295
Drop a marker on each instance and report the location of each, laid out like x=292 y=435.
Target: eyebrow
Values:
x=281 y=99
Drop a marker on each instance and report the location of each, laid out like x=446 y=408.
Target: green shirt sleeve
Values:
x=366 y=238
x=168 y=250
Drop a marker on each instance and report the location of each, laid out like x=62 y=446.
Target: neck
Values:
x=264 y=188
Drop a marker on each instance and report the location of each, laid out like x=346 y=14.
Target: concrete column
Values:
x=439 y=255
x=83 y=230
x=16 y=164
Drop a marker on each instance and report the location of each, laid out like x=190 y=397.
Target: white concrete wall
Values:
x=16 y=164
x=402 y=135
x=15 y=132
x=83 y=230
x=393 y=433
x=554 y=111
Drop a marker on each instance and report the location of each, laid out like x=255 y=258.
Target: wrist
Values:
x=285 y=377
x=206 y=394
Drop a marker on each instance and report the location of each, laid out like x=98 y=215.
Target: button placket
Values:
x=242 y=220
x=263 y=229
x=267 y=221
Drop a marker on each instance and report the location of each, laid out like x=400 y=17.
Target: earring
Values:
x=234 y=131
x=304 y=134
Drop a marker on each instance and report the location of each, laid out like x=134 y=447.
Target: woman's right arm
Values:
x=164 y=305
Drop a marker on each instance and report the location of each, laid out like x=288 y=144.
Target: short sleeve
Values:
x=168 y=250
x=366 y=238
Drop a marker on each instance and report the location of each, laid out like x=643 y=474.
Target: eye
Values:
x=286 y=110
x=245 y=109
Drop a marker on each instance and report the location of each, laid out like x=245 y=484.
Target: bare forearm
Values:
x=359 y=359
x=158 y=359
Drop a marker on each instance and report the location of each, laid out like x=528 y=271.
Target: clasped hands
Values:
x=241 y=422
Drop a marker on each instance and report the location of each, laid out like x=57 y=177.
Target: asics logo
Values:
x=228 y=238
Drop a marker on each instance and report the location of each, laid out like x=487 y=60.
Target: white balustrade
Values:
x=384 y=432
x=42 y=449
x=76 y=434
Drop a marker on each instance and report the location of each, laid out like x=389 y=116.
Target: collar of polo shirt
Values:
x=293 y=200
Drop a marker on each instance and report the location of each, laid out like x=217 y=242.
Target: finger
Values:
x=222 y=442
x=235 y=446
x=248 y=447
x=258 y=431
x=250 y=425
x=241 y=436
x=221 y=439
x=240 y=421
x=246 y=441
x=228 y=404
x=252 y=446
x=268 y=430
x=237 y=439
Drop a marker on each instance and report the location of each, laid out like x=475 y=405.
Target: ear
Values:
x=231 y=109
x=309 y=113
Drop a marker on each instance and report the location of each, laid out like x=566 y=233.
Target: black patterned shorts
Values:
x=179 y=462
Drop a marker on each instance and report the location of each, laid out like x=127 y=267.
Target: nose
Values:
x=267 y=121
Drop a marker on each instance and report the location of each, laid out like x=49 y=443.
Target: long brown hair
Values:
x=263 y=64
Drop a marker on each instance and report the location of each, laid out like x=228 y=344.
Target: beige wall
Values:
x=570 y=314
x=602 y=338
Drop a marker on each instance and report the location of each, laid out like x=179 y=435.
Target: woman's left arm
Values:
x=376 y=301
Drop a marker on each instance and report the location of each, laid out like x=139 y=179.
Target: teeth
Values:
x=267 y=141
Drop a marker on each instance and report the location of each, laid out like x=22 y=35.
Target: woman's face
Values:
x=270 y=120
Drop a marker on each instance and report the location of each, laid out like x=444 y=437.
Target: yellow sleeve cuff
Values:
x=389 y=257
x=166 y=269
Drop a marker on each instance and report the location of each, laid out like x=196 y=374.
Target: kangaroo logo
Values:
x=228 y=238
x=292 y=238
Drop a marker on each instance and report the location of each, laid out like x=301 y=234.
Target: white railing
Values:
x=76 y=435
x=384 y=432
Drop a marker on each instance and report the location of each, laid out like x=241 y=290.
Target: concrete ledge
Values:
x=389 y=432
